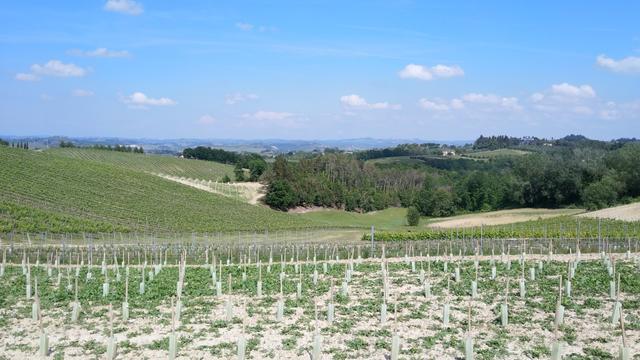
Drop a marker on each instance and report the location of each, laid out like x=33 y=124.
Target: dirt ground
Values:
x=252 y=192
x=356 y=332
x=501 y=217
x=629 y=212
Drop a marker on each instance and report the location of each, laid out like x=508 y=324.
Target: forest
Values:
x=248 y=166
x=570 y=172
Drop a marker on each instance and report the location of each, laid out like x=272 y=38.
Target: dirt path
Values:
x=501 y=217
x=630 y=212
x=251 y=192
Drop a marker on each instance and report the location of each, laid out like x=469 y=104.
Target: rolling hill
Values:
x=60 y=191
x=157 y=164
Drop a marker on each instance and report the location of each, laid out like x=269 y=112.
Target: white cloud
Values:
x=268 y=115
x=46 y=97
x=129 y=7
x=511 y=103
x=100 y=52
x=358 y=102
x=26 y=77
x=235 y=98
x=413 y=71
x=206 y=120
x=140 y=100
x=629 y=64
x=244 y=26
x=573 y=91
x=82 y=93
x=447 y=71
x=537 y=97
x=485 y=102
x=59 y=69
x=435 y=105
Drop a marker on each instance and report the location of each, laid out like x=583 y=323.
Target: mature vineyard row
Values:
x=170 y=165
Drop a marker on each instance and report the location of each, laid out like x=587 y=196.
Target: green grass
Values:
x=44 y=191
x=389 y=219
x=490 y=154
x=170 y=165
x=394 y=219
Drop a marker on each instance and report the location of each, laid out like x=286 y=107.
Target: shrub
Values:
x=413 y=216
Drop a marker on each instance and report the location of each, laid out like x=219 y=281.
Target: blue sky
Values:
x=320 y=69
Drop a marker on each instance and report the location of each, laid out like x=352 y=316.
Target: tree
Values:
x=601 y=194
x=239 y=173
x=413 y=216
x=226 y=179
x=280 y=195
x=256 y=168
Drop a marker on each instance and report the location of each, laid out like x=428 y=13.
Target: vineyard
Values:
x=562 y=227
x=156 y=164
x=460 y=299
x=41 y=191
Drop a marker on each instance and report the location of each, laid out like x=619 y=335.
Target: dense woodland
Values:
x=248 y=166
x=569 y=172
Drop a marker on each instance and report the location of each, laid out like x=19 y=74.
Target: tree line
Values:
x=248 y=166
x=119 y=148
x=575 y=171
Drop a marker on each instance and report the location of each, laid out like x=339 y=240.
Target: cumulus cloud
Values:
x=485 y=102
x=59 y=69
x=82 y=93
x=129 y=7
x=414 y=71
x=439 y=104
x=26 y=77
x=492 y=99
x=573 y=91
x=630 y=64
x=140 y=100
x=358 y=102
x=100 y=52
x=206 y=120
x=244 y=26
x=235 y=98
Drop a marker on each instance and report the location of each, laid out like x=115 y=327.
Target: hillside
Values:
x=48 y=191
x=157 y=164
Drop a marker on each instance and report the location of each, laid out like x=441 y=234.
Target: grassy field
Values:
x=490 y=154
x=157 y=164
x=388 y=219
x=395 y=218
x=44 y=191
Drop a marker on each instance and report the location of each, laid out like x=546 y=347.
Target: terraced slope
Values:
x=46 y=191
x=158 y=164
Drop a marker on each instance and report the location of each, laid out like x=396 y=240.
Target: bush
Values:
x=280 y=195
x=413 y=216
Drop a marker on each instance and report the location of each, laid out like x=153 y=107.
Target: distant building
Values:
x=448 y=152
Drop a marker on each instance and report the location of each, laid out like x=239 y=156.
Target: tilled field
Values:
x=214 y=316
